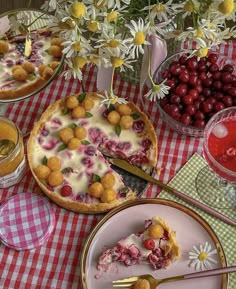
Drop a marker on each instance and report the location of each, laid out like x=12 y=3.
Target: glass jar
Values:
x=12 y=162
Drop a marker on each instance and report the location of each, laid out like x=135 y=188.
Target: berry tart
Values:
x=21 y=75
x=67 y=145
x=156 y=245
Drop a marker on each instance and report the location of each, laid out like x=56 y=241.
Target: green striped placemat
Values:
x=184 y=181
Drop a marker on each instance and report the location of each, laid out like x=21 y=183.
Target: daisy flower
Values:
x=158 y=91
x=50 y=5
x=74 y=65
x=110 y=98
x=119 y=60
x=200 y=258
x=116 y=3
x=138 y=31
x=161 y=11
x=78 y=44
x=187 y=8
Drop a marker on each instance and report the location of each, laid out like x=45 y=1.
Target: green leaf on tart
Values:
x=81 y=97
x=44 y=161
x=65 y=111
x=118 y=129
x=67 y=170
x=135 y=115
x=85 y=142
x=111 y=107
x=1 y=55
x=96 y=178
x=62 y=147
x=73 y=125
x=43 y=182
x=88 y=114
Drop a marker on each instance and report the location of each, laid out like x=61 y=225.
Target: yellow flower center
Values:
x=139 y=38
x=93 y=59
x=99 y=4
x=76 y=46
x=68 y=24
x=199 y=33
x=92 y=26
x=159 y=8
x=156 y=88
x=189 y=7
x=226 y=7
x=202 y=52
x=113 y=43
x=114 y=100
x=112 y=17
x=77 y=9
x=202 y=256
x=116 y=61
x=79 y=61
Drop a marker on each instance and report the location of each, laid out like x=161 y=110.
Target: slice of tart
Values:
x=67 y=146
x=156 y=245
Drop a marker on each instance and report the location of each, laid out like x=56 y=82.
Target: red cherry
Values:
x=192 y=63
x=66 y=191
x=188 y=99
x=181 y=89
x=199 y=123
x=228 y=67
x=227 y=100
x=226 y=77
x=207 y=106
x=218 y=106
x=213 y=68
x=190 y=109
x=184 y=77
x=199 y=115
x=212 y=58
x=149 y=244
x=185 y=119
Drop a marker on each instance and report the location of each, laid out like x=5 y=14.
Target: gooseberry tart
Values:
x=156 y=245
x=68 y=145
x=20 y=75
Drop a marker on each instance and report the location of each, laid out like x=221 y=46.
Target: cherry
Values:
x=232 y=91
x=184 y=77
x=213 y=68
x=227 y=100
x=217 y=84
x=207 y=106
x=218 y=106
x=175 y=99
x=181 y=89
x=199 y=115
x=66 y=191
x=171 y=83
x=199 y=123
x=190 y=109
x=226 y=77
x=212 y=58
x=149 y=244
x=188 y=99
x=193 y=79
x=194 y=93
x=207 y=82
x=228 y=67
x=185 y=119
x=191 y=63
x=175 y=69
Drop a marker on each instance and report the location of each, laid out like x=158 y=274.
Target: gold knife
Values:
x=141 y=174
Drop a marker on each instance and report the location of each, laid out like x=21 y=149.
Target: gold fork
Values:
x=128 y=282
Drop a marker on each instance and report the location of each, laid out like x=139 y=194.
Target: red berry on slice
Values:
x=66 y=191
x=149 y=244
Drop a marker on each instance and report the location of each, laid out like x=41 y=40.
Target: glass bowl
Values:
x=174 y=123
x=26 y=30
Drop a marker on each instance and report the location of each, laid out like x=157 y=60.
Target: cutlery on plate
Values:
x=128 y=282
x=140 y=173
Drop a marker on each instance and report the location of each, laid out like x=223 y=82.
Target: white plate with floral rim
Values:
x=191 y=230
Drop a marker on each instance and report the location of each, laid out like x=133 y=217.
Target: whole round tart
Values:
x=68 y=146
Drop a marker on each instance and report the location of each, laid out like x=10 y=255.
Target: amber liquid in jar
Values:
x=12 y=159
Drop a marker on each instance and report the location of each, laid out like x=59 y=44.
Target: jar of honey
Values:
x=12 y=158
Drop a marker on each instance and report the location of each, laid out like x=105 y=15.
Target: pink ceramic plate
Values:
x=190 y=229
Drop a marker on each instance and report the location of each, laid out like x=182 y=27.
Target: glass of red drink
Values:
x=216 y=183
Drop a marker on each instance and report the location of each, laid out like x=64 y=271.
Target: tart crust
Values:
x=75 y=205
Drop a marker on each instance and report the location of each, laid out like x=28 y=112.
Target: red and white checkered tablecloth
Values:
x=56 y=264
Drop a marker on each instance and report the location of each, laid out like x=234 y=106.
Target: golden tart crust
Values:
x=33 y=150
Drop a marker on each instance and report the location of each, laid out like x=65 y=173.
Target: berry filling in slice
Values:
x=156 y=245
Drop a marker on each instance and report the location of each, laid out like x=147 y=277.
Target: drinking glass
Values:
x=216 y=182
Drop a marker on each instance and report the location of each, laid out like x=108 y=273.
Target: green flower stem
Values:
x=112 y=79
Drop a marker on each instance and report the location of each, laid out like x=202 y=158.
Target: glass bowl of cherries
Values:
x=199 y=88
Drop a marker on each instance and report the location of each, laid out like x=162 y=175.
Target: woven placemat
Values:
x=184 y=181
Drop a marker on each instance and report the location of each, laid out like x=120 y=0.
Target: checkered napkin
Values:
x=184 y=181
